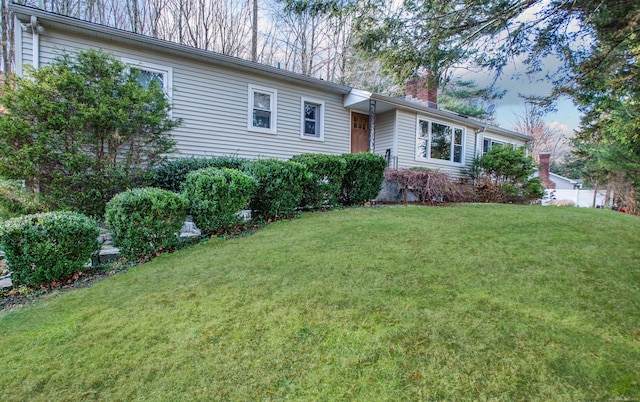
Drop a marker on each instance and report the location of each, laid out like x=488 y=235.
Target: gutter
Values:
x=75 y=25
x=451 y=116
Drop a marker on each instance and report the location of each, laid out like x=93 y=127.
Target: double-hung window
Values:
x=312 y=119
x=262 y=109
x=439 y=141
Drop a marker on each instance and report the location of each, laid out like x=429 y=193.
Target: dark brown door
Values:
x=359 y=133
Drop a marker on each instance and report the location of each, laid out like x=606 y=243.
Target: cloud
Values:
x=561 y=128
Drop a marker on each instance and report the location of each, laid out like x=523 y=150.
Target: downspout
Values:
x=17 y=40
x=35 y=29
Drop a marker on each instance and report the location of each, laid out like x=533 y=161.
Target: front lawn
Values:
x=468 y=302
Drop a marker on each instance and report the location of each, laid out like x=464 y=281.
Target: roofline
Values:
x=76 y=25
x=467 y=121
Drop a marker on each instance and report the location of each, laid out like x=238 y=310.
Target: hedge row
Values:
x=145 y=221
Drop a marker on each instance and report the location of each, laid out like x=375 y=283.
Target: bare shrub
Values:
x=429 y=186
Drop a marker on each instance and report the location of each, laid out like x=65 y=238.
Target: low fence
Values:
x=578 y=198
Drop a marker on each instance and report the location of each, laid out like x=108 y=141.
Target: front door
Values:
x=359 y=133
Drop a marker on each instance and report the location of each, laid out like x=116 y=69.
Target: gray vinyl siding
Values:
x=212 y=101
x=384 y=132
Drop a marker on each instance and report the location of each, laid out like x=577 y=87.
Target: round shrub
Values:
x=172 y=173
x=327 y=171
x=145 y=221
x=46 y=247
x=280 y=186
x=217 y=195
x=363 y=178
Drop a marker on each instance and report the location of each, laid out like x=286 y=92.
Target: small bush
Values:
x=363 y=177
x=145 y=221
x=504 y=175
x=171 y=174
x=280 y=185
x=487 y=190
x=428 y=185
x=46 y=247
x=216 y=195
x=327 y=171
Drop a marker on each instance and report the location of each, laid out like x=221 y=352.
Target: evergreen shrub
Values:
x=172 y=173
x=363 y=177
x=217 y=195
x=504 y=175
x=280 y=185
x=47 y=247
x=327 y=171
x=145 y=221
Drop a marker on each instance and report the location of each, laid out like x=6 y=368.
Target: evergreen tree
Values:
x=82 y=129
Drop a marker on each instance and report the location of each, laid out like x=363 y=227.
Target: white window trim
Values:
x=428 y=158
x=320 y=120
x=496 y=139
x=166 y=71
x=274 y=109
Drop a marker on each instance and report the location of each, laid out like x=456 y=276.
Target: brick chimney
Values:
x=543 y=171
x=418 y=89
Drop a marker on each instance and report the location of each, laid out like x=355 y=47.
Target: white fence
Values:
x=578 y=198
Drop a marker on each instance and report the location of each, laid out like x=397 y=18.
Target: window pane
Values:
x=261 y=118
x=310 y=111
x=458 y=136
x=457 y=153
x=423 y=136
x=486 y=146
x=440 y=141
x=145 y=78
x=310 y=128
x=261 y=101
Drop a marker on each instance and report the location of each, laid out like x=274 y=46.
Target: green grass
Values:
x=472 y=302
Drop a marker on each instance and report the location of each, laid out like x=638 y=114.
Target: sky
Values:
x=517 y=84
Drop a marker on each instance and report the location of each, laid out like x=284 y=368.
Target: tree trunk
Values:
x=254 y=32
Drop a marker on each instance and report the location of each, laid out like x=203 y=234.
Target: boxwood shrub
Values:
x=363 y=177
x=145 y=221
x=216 y=195
x=172 y=173
x=47 y=247
x=280 y=186
x=327 y=171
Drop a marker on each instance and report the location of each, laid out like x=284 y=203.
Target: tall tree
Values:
x=465 y=97
x=254 y=32
x=546 y=138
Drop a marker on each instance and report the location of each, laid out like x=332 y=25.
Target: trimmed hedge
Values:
x=47 y=247
x=173 y=173
x=363 y=177
x=280 y=186
x=323 y=190
x=144 y=221
x=217 y=195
